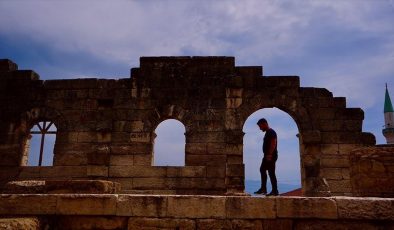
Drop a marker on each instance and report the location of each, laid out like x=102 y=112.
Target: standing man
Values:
x=269 y=160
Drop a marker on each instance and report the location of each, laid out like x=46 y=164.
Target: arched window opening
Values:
x=288 y=165
x=169 y=146
x=42 y=143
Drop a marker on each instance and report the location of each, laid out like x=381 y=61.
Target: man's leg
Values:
x=274 y=182
x=263 y=173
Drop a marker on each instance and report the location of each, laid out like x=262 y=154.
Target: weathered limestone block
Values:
x=142 y=205
x=314 y=92
x=250 y=208
x=235 y=182
x=86 y=204
x=87 y=137
x=143 y=137
x=206 y=137
x=104 y=137
x=350 y=114
x=131 y=148
x=137 y=126
x=150 y=183
x=360 y=208
x=90 y=222
x=340 y=186
x=27 y=204
x=324 y=208
x=353 y=125
x=232 y=159
x=187 y=171
x=335 y=161
x=251 y=71
x=368 y=139
x=97 y=171
x=20 y=223
x=235 y=170
x=325 y=113
x=234 y=137
x=212 y=224
x=332 y=173
x=234 y=149
x=328 y=225
x=7 y=65
x=27 y=172
x=216 y=171
x=215 y=148
x=143 y=159
x=233 y=103
x=347 y=148
x=234 y=92
x=121 y=137
x=195 y=183
x=274 y=224
x=313 y=136
x=82 y=186
x=66 y=137
x=196 y=207
x=160 y=223
x=121 y=160
x=205 y=159
x=64 y=172
x=99 y=157
x=196 y=148
x=137 y=171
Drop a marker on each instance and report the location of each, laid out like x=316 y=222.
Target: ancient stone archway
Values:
x=288 y=168
x=111 y=124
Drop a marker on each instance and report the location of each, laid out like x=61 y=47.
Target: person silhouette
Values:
x=270 y=150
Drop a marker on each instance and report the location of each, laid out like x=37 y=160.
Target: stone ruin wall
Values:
x=106 y=127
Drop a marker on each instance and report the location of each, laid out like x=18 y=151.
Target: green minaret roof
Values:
x=388 y=107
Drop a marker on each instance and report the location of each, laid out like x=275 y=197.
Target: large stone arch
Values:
x=297 y=111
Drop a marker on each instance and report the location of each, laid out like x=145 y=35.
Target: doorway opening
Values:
x=288 y=171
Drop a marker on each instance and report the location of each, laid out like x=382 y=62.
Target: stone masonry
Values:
x=125 y=211
x=105 y=127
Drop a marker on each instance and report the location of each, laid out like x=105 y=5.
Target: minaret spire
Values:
x=388 y=106
x=388 y=130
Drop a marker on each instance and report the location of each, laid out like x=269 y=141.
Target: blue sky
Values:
x=346 y=46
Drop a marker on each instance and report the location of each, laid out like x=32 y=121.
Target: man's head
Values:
x=263 y=124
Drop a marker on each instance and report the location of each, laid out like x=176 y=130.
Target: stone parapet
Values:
x=188 y=212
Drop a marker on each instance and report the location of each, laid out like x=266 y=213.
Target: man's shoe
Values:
x=276 y=193
x=261 y=192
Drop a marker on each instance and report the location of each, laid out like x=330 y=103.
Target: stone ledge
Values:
x=61 y=187
x=20 y=223
x=199 y=206
x=361 y=208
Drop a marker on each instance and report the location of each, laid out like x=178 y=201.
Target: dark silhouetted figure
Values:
x=270 y=151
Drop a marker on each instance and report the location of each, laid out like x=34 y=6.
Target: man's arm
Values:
x=271 y=149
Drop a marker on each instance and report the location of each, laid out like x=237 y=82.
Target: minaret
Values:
x=388 y=130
